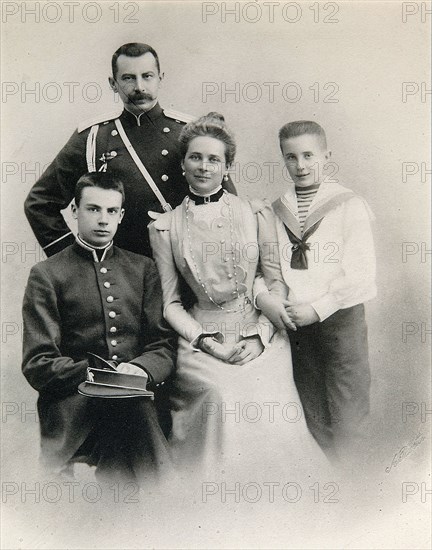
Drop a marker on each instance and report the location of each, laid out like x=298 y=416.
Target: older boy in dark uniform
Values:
x=95 y=297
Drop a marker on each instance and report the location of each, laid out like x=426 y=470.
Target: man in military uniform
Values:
x=140 y=146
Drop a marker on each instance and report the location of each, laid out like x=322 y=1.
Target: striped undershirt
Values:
x=305 y=196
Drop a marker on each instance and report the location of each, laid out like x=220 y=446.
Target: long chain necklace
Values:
x=201 y=282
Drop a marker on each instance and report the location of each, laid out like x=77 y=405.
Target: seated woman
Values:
x=235 y=408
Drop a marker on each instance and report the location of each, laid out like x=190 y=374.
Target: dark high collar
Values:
x=87 y=251
x=204 y=200
x=139 y=120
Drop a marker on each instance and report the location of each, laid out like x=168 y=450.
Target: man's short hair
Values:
x=133 y=49
x=101 y=180
x=301 y=127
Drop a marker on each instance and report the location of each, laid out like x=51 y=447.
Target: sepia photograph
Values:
x=216 y=275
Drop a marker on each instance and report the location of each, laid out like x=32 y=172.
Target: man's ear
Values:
x=121 y=215
x=328 y=155
x=112 y=84
x=161 y=77
x=74 y=210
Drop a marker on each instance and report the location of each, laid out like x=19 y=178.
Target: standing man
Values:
x=140 y=146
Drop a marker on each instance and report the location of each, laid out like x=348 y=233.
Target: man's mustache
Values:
x=140 y=97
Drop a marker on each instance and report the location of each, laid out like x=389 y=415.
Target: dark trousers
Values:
x=126 y=442
x=332 y=375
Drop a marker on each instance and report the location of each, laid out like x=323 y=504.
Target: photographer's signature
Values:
x=405 y=451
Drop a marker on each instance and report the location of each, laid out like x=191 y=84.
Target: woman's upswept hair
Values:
x=211 y=125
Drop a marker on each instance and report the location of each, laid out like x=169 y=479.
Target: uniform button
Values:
x=114 y=342
x=113 y=153
x=107 y=284
x=225 y=259
x=164 y=177
x=222 y=241
x=230 y=276
x=166 y=130
x=114 y=132
x=113 y=329
x=164 y=152
x=114 y=357
x=103 y=270
x=110 y=299
x=220 y=225
x=112 y=314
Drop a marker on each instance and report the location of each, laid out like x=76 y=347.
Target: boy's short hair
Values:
x=301 y=127
x=101 y=180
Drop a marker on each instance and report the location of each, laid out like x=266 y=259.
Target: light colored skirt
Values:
x=243 y=421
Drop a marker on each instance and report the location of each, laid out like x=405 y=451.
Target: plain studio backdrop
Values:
x=360 y=69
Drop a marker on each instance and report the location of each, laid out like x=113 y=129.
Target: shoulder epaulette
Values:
x=179 y=117
x=100 y=119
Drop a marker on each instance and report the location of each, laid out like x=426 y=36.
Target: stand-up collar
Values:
x=137 y=120
x=89 y=252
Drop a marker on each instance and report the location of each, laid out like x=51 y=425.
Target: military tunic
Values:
x=154 y=136
x=74 y=304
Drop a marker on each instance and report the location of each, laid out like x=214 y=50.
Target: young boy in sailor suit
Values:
x=320 y=276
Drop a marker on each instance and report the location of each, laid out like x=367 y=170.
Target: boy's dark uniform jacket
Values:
x=154 y=136
x=74 y=304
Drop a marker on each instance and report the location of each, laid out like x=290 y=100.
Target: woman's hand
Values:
x=273 y=308
x=223 y=351
x=237 y=354
x=253 y=347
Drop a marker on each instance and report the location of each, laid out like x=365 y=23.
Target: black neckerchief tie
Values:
x=204 y=200
x=300 y=246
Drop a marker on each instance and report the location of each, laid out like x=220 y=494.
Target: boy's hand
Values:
x=301 y=314
x=127 y=368
x=274 y=309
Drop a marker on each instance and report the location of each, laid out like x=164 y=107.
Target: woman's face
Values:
x=204 y=164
